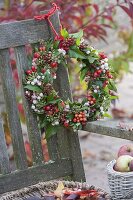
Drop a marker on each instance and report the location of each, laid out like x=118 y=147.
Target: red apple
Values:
x=126 y=150
x=123 y=163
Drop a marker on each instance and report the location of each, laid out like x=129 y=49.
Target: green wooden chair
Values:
x=64 y=147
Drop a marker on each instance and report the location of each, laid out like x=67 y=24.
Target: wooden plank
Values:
x=12 y=110
x=24 y=32
x=62 y=85
x=32 y=124
x=109 y=128
x=33 y=175
x=52 y=144
x=4 y=159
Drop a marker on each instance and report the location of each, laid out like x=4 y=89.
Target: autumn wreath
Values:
x=51 y=110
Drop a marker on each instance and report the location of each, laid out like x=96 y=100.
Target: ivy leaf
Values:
x=112 y=86
x=107 y=115
x=78 y=35
x=64 y=33
x=92 y=59
x=83 y=73
x=99 y=83
x=50 y=131
x=113 y=97
x=33 y=88
x=76 y=53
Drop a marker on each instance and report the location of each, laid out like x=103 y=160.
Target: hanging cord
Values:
x=47 y=17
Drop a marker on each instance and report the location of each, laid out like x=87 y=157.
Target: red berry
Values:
x=66 y=124
x=110 y=76
x=84 y=119
x=36 y=55
x=42 y=48
x=33 y=68
x=47 y=108
x=96 y=74
x=28 y=72
x=54 y=64
x=102 y=55
x=74 y=120
x=43 y=71
x=99 y=71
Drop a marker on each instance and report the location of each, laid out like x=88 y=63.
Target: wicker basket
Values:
x=120 y=183
x=42 y=188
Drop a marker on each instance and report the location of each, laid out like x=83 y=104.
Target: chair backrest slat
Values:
x=4 y=159
x=52 y=144
x=32 y=124
x=12 y=110
x=62 y=85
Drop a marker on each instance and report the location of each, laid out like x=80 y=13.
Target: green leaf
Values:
x=77 y=35
x=107 y=115
x=92 y=59
x=112 y=86
x=76 y=53
x=64 y=33
x=83 y=73
x=33 y=88
x=113 y=97
x=50 y=131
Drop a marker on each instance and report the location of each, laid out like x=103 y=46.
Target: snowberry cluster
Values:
x=45 y=102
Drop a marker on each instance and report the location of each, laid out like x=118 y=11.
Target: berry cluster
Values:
x=91 y=99
x=67 y=43
x=80 y=118
x=51 y=109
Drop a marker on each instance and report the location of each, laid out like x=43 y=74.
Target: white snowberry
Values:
x=41 y=94
x=101 y=108
x=34 y=101
x=102 y=66
x=62 y=51
x=56 y=123
x=28 y=82
x=86 y=104
x=38 y=77
x=32 y=83
x=33 y=107
x=95 y=91
x=39 y=83
x=106 y=59
x=106 y=65
x=88 y=52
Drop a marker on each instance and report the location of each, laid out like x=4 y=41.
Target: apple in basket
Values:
x=124 y=164
x=126 y=150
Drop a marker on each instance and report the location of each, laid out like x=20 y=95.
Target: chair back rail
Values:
x=64 y=147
